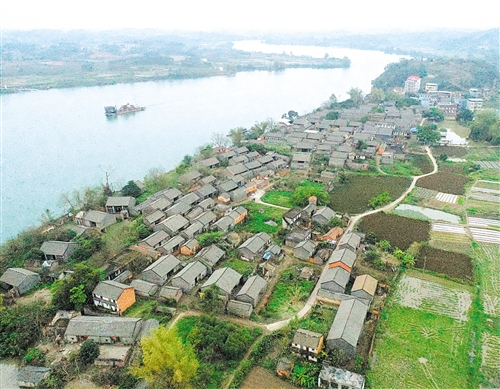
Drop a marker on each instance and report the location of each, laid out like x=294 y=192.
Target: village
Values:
x=222 y=241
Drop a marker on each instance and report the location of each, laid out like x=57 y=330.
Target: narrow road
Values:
x=312 y=298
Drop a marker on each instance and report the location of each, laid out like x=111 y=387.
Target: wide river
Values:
x=58 y=141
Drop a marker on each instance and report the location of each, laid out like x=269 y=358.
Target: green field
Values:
x=278 y=197
x=259 y=214
x=418 y=349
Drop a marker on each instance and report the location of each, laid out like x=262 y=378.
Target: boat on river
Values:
x=124 y=109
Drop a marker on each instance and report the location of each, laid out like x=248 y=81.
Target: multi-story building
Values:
x=412 y=84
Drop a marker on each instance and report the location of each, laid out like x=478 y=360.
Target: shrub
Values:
x=34 y=357
x=88 y=352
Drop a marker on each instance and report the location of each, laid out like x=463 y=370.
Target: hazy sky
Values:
x=209 y=15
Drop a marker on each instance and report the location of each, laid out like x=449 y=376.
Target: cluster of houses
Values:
x=349 y=141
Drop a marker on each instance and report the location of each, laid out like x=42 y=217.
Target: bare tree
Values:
x=219 y=139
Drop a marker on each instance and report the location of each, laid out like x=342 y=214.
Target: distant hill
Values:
x=449 y=73
x=483 y=44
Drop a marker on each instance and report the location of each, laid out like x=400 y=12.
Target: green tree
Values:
x=131 y=189
x=408 y=260
x=434 y=114
x=377 y=95
x=332 y=115
x=34 y=357
x=236 y=135
x=88 y=352
x=486 y=127
x=305 y=190
x=78 y=297
x=165 y=357
x=372 y=255
x=210 y=302
x=465 y=116
x=356 y=95
x=384 y=245
x=428 y=134
x=82 y=275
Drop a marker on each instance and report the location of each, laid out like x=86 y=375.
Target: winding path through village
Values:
x=312 y=298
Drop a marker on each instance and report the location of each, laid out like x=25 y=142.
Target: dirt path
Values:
x=377 y=164
x=261 y=192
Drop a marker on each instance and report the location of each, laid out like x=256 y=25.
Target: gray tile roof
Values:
x=110 y=289
x=156 y=215
x=144 y=287
x=307 y=338
x=104 y=326
x=346 y=256
x=348 y=321
x=163 y=265
x=191 y=271
x=169 y=292
x=255 y=243
x=95 y=216
x=225 y=279
x=210 y=255
x=156 y=237
x=175 y=223
x=53 y=247
x=253 y=287
x=122 y=201
x=14 y=276
x=206 y=218
x=306 y=245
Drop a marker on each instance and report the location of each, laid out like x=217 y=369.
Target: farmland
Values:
x=444 y=182
x=488 y=274
x=419 y=349
x=400 y=231
x=353 y=196
x=444 y=262
x=421 y=162
x=449 y=241
x=450 y=151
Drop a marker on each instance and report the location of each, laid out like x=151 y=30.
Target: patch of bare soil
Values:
x=39 y=295
x=260 y=378
x=82 y=383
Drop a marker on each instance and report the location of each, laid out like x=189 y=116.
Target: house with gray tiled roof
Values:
x=189 y=277
x=254 y=246
x=113 y=296
x=191 y=199
x=335 y=279
x=210 y=162
x=252 y=291
x=206 y=191
x=31 y=376
x=103 y=329
x=344 y=258
x=307 y=344
x=118 y=204
x=349 y=240
x=144 y=288
x=210 y=256
x=156 y=239
x=323 y=215
x=57 y=250
x=154 y=218
x=206 y=218
x=173 y=224
x=190 y=177
x=226 y=279
x=20 y=280
x=239 y=308
x=170 y=293
x=347 y=326
x=95 y=219
x=304 y=250
x=160 y=270
x=194 y=229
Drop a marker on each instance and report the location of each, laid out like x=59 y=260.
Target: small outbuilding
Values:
x=364 y=287
x=144 y=288
x=189 y=277
x=160 y=270
x=57 y=250
x=304 y=250
x=333 y=378
x=239 y=308
x=252 y=290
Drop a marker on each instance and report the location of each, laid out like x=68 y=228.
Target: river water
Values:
x=57 y=141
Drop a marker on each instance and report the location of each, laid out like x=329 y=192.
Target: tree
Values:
x=443 y=157
x=465 y=116
x=236 y=135
x=408 y=260
x=166 y=358
x=332 y=115
x=434 y=114
x=377 y=95
x=131 y=189
x=372 y=255
x=83 y=275
x=210 y=302
x=88 y=352
x=305 y=190
x=428 y=134
x=343 y=178
x=486 y=127
x=383 y=245
x=356 y=95
x=219 y=139
x=78 y=297
x=332 y=98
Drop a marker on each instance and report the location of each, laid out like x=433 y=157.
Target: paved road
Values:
x=312 y=298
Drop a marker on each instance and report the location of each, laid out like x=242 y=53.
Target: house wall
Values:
x=301 y=254
x=333 y=286
x=126 y=299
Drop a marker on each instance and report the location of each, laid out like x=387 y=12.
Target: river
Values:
x=57 y=141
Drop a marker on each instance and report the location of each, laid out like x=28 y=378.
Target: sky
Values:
x=216 y=15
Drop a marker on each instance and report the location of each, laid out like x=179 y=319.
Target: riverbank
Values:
x=45 y=75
